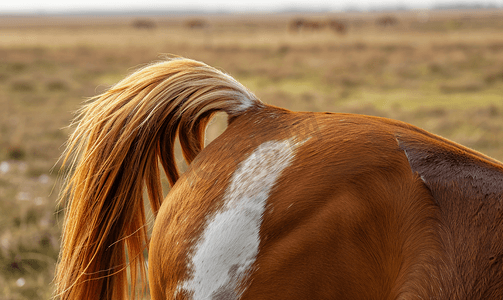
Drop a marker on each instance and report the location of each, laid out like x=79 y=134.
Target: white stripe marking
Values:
x=228 y=247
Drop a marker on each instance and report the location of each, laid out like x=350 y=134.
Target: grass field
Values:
x=441 y=71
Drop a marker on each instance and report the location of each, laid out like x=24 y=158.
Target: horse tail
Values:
x=119 y=138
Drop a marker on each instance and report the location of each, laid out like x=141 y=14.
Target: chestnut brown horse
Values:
x=282 y=205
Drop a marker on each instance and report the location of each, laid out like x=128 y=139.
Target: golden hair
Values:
x=119 y=139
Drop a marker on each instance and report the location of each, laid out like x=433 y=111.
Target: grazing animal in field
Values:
x=296 y=25
x=337 y=26
x=144 y=24
x=282 y=205
x=196 y=24
x=300 y=24
x=387 y=21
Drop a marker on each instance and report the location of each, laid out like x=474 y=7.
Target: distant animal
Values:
x=337 y=26
x=196 y=24
x=282 y=205
x=300 y=24
x=387 y=21
x=297 y=25
x=144 y=24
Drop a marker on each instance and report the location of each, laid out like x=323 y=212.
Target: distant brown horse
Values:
x=304 y=24
x=387 y=21
x=337 y=26
x=196 y=24
x=298 y=25
x=144 y=24
x=282 y=205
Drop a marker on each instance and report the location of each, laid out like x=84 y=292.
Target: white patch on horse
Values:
x=228 y=247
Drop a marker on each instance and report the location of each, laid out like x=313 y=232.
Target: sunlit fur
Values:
x=363 y=208
x=120 y=137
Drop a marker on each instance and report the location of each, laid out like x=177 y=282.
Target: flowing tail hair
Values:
x=114 y=152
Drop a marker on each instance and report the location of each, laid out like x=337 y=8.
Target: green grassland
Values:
x=441 y=71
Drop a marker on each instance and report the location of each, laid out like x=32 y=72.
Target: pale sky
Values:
x=48 y=6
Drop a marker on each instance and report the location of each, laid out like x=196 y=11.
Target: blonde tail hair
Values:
x=119 y=139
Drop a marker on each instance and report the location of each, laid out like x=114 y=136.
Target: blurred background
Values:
x=436 y=65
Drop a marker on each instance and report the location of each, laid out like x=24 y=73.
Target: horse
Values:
x=196 y=24
x=299 y=24
x=386 y=21
x=337 y=26
x=281 y=205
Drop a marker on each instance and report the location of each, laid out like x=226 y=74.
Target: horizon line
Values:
x=182 y=11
